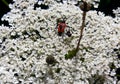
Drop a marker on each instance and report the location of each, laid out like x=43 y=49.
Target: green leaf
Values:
x=71 y=54
x=58 y=70
x=5 y=2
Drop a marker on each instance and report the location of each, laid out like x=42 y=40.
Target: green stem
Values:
x=82 y=28
x=5 y=2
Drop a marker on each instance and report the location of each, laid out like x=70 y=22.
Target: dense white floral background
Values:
x=32 y=37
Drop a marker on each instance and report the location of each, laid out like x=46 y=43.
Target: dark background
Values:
x=107 y=6
x=3 y=10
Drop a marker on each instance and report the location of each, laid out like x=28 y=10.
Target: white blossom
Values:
x=24 y=51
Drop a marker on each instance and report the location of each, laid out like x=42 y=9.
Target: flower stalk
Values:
x=81 y=31
x=84 y=7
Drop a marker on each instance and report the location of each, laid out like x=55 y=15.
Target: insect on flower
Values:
x=61 y=25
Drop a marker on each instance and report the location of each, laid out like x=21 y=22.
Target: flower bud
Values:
x=84 y=6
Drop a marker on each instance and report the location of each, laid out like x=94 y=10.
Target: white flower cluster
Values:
x=33 y=37
x=117 y=12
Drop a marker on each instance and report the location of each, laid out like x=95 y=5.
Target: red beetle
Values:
x=61 y=27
